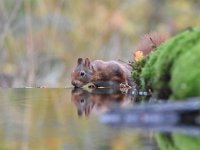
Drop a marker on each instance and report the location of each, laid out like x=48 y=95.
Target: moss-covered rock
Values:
x=169 y=70
x=185 y=74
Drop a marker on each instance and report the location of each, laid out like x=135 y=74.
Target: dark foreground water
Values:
x=68 y=119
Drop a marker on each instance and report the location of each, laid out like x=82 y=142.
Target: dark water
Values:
x=68 y=119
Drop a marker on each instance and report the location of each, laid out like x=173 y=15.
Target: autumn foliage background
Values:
x=40 y=40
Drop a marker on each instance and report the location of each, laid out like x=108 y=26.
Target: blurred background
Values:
x=40 y=40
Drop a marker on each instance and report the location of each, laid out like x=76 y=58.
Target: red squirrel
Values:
x=109 y=73
x=101 y=73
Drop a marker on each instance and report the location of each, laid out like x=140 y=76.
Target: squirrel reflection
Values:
x=97 y=100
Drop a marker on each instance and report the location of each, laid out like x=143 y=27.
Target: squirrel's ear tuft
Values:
x=87 y=62
x=93 y=70
x=79 y=61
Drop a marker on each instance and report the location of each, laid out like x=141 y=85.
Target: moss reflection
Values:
x=177 y=142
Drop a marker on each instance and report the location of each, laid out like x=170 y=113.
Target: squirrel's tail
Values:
x=148 y=43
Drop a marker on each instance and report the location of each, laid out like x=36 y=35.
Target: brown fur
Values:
x=99 y=70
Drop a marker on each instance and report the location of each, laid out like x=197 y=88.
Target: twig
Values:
x=154 y=44
x=30 y=48
x=128 y=63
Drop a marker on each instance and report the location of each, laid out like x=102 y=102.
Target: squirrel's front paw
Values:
x=92 y=86
x=124 y=87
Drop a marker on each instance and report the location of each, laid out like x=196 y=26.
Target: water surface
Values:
x=64 y=119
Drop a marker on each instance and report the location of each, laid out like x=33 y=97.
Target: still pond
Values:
x=73 y=119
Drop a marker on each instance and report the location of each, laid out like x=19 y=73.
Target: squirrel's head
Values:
x=83 y=72
x=82 y=100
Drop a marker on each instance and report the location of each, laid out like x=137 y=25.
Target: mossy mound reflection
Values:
x=177 y=142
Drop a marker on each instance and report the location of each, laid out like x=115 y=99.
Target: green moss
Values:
x=185 y=79
x=172 y=59
x=148 y=71
x=165 y=142
x=177 y=142
x=137 y=68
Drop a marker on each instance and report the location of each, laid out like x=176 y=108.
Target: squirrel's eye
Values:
x=82 y=73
